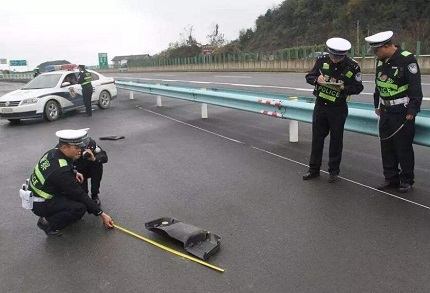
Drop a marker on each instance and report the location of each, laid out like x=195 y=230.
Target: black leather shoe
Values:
x=311 y=175
x=332 y=178
x=387 y=185
x=96 y=199
x=44 y=225
x=404 y=187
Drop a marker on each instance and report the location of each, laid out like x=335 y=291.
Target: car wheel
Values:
x=104 y=100
x=14 y=121
x=52 y=110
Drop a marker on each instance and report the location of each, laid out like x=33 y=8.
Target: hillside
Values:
x=308 y=22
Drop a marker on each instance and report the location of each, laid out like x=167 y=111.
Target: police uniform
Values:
x=92 y=169
x=398 y=93
x=59 y=200
x=331 y=108
x=84 y=79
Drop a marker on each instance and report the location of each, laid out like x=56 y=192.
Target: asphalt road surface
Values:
x=234 y=174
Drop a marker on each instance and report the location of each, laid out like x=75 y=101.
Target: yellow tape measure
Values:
x=169 y=249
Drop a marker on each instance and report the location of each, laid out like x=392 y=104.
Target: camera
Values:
x=85 y=154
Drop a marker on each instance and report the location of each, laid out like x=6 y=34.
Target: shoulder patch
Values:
x=406 y=53
x=413 y=68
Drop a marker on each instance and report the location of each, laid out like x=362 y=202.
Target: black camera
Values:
x=85 y=154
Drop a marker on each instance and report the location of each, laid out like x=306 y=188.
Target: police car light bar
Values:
x=51 y=68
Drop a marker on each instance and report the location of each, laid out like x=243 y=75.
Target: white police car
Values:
x=53 y=93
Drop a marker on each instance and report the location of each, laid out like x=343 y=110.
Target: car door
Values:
x=95 y=82
x=74 y=89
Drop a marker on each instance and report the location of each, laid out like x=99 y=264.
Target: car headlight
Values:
x=29 y=101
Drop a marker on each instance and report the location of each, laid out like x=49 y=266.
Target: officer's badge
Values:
x=383 y=77
x=72 y=92
x=413 y=68
x=358 y=76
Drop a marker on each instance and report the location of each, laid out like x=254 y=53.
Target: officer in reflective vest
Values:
x=397 y=99
x=335 y=77
x=58 y=199
x=84 y=79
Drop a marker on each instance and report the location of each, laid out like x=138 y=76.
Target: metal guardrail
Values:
x=16 y=76
x=361 y=116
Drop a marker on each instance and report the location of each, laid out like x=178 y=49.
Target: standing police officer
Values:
x=397 y=99
x=84 y=79
x=335 y=77
x=58 y=199
x=36 y=72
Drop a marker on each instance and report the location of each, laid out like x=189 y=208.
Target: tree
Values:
x=216 y=38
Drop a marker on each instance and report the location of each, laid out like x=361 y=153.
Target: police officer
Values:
x=335 y=77
x=397 y=99
x=59 y=200
x=36 y=72
x=90 y=165
x=84 y=79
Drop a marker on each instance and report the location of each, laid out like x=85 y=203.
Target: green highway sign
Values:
x=17 y=62
x=103 y=62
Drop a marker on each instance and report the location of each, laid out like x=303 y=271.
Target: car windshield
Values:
x=43 y=82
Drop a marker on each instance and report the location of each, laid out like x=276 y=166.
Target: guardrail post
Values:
x=204 y=111
x=159 y=104
x=131 y=95
x=294 y=126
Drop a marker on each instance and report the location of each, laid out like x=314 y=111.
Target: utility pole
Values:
x=358 y=38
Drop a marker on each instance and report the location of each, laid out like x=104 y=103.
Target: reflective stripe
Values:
x=62 y=162
x=394 y=92
x=387 y=85
x=327 y=97
x=41 y=193
x=396 y=72
x=404 y=100
x=39 y=175
x=406 y=53
x=326 y=66
x=349 y=74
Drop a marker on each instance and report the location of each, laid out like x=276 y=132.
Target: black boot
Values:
x=44 y=225
x=311 y=175
x=332 y=178
x=387 y=185
x=404 y=187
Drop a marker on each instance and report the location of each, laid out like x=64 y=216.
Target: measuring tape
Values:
x=169 y=249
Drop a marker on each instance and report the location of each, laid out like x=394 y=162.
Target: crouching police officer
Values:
x=59 y=200
x=335 y=77
x=90 y=165
x=397 y=100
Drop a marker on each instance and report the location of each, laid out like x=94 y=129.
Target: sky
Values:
x=46 y=30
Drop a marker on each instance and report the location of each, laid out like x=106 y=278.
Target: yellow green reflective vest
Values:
x=49 y=163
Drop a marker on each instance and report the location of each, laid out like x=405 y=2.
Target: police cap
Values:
x=77 y=137
x=81 y=66
x=379 y=39
x=338 y=46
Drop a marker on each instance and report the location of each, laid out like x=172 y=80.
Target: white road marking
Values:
x=232 y=76
x=284 y=158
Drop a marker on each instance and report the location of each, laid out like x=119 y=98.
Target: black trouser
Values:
x=327 y=118
x=59 y=211
x=87 y=92
x=397 y=149
x=95 y=172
